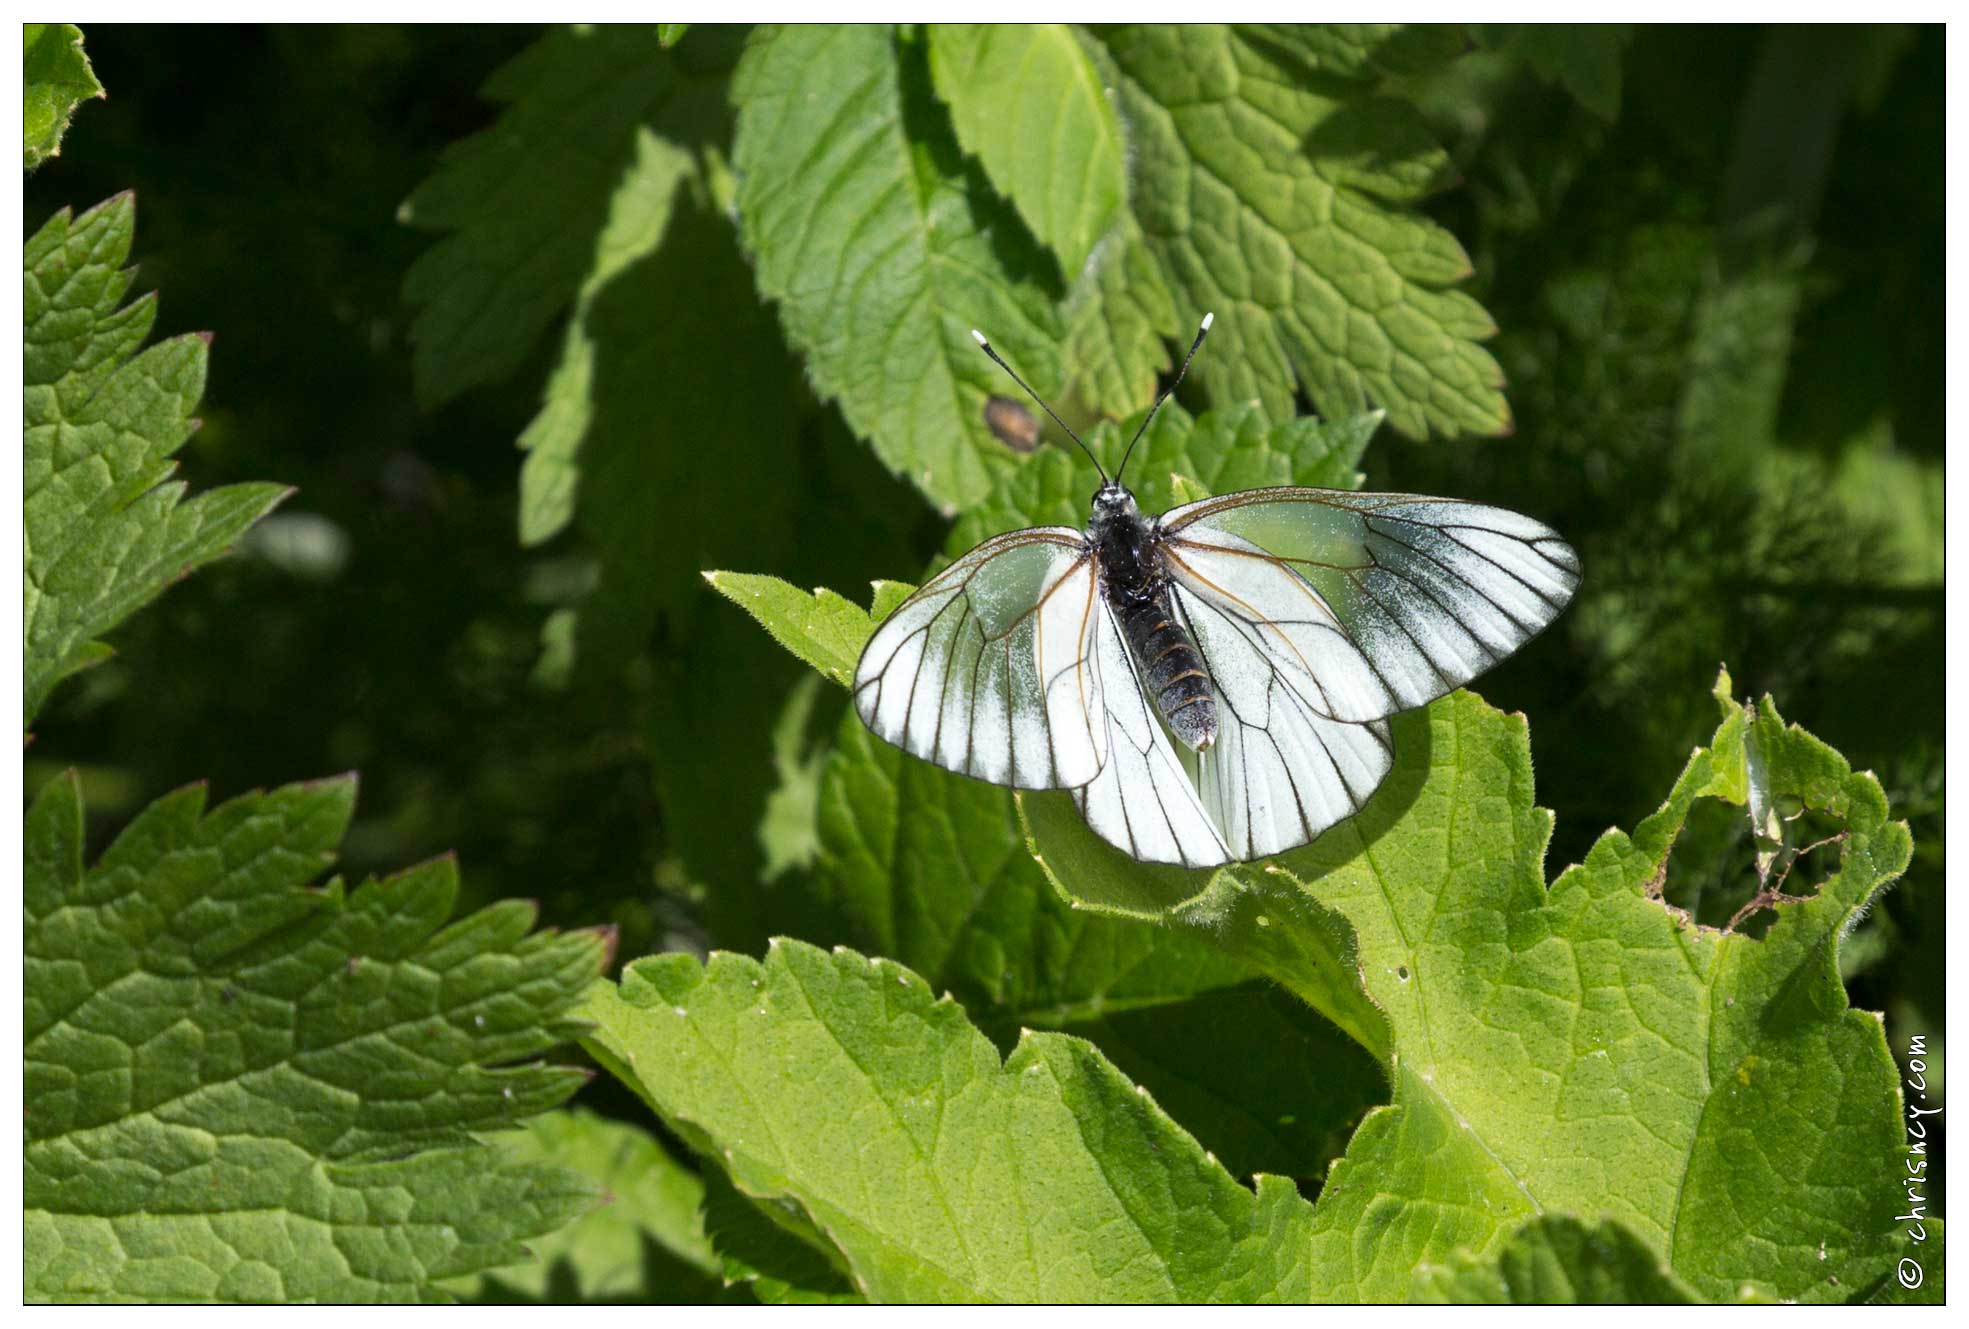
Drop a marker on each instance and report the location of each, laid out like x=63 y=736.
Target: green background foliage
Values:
x=542 y=326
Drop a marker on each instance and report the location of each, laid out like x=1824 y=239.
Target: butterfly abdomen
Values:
x=1172 y=668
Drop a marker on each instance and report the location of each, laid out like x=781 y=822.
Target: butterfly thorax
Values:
x=1136 y=583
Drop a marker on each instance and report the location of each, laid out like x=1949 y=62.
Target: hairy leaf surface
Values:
x=57 y=79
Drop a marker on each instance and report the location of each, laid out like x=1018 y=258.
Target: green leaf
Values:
x=1284 y=202
x=104 y=533
x=1559 y=1260
x=1584 y=1049
x=883 y=249
x=1028 y=104
x=242 y=1088
x=669 y=34
x=646 y=1244
x=824 y=629
x=527 y=203
x=57 y=79
x=1583 y=58
x=838 y=1086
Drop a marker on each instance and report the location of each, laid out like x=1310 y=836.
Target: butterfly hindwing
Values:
x=1144 y=802
x=988 y=669
x=1280 y=772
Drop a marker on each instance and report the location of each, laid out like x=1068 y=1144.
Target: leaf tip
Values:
x=610 y=938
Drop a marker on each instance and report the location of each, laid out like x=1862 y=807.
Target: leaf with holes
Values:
x=1584 y=1049
x=240 y=1087
x=104 y=531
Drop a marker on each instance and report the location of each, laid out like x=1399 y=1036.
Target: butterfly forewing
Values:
x=1375 y=603
x=988 y=669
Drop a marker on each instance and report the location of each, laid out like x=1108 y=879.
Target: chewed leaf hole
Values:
x=1725 y=875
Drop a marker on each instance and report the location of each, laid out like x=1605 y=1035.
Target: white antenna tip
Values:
x=1207 y=320
x=980 y=337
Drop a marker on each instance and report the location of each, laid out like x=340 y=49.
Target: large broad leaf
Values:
x=240 y=1087
x=57 y=79
x=883 y=248
x=841 y=1088
x=104 y=532
x=1274 y=184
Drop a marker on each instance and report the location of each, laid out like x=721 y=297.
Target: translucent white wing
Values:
x=988 y=670
x=1372 y=603
x=1144 y=801
x=1280 y=772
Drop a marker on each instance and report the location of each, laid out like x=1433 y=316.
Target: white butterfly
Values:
x=1213 y=684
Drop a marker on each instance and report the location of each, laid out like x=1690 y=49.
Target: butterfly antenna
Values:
x=1000 y=362
x=1200 y=334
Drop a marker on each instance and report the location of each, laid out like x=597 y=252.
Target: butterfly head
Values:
x=1111 y=501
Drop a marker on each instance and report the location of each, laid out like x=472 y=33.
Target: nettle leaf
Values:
x=527 y=202
x=647 y=1243
x=240 y=1088
x=1584 y=1049
x=883 y=248
x=1583 y=58
x=1274 y=185
x=57 y=79
x=104 y=533
x=1558 y=1260
x=838 y=1086
x=1027 y=102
